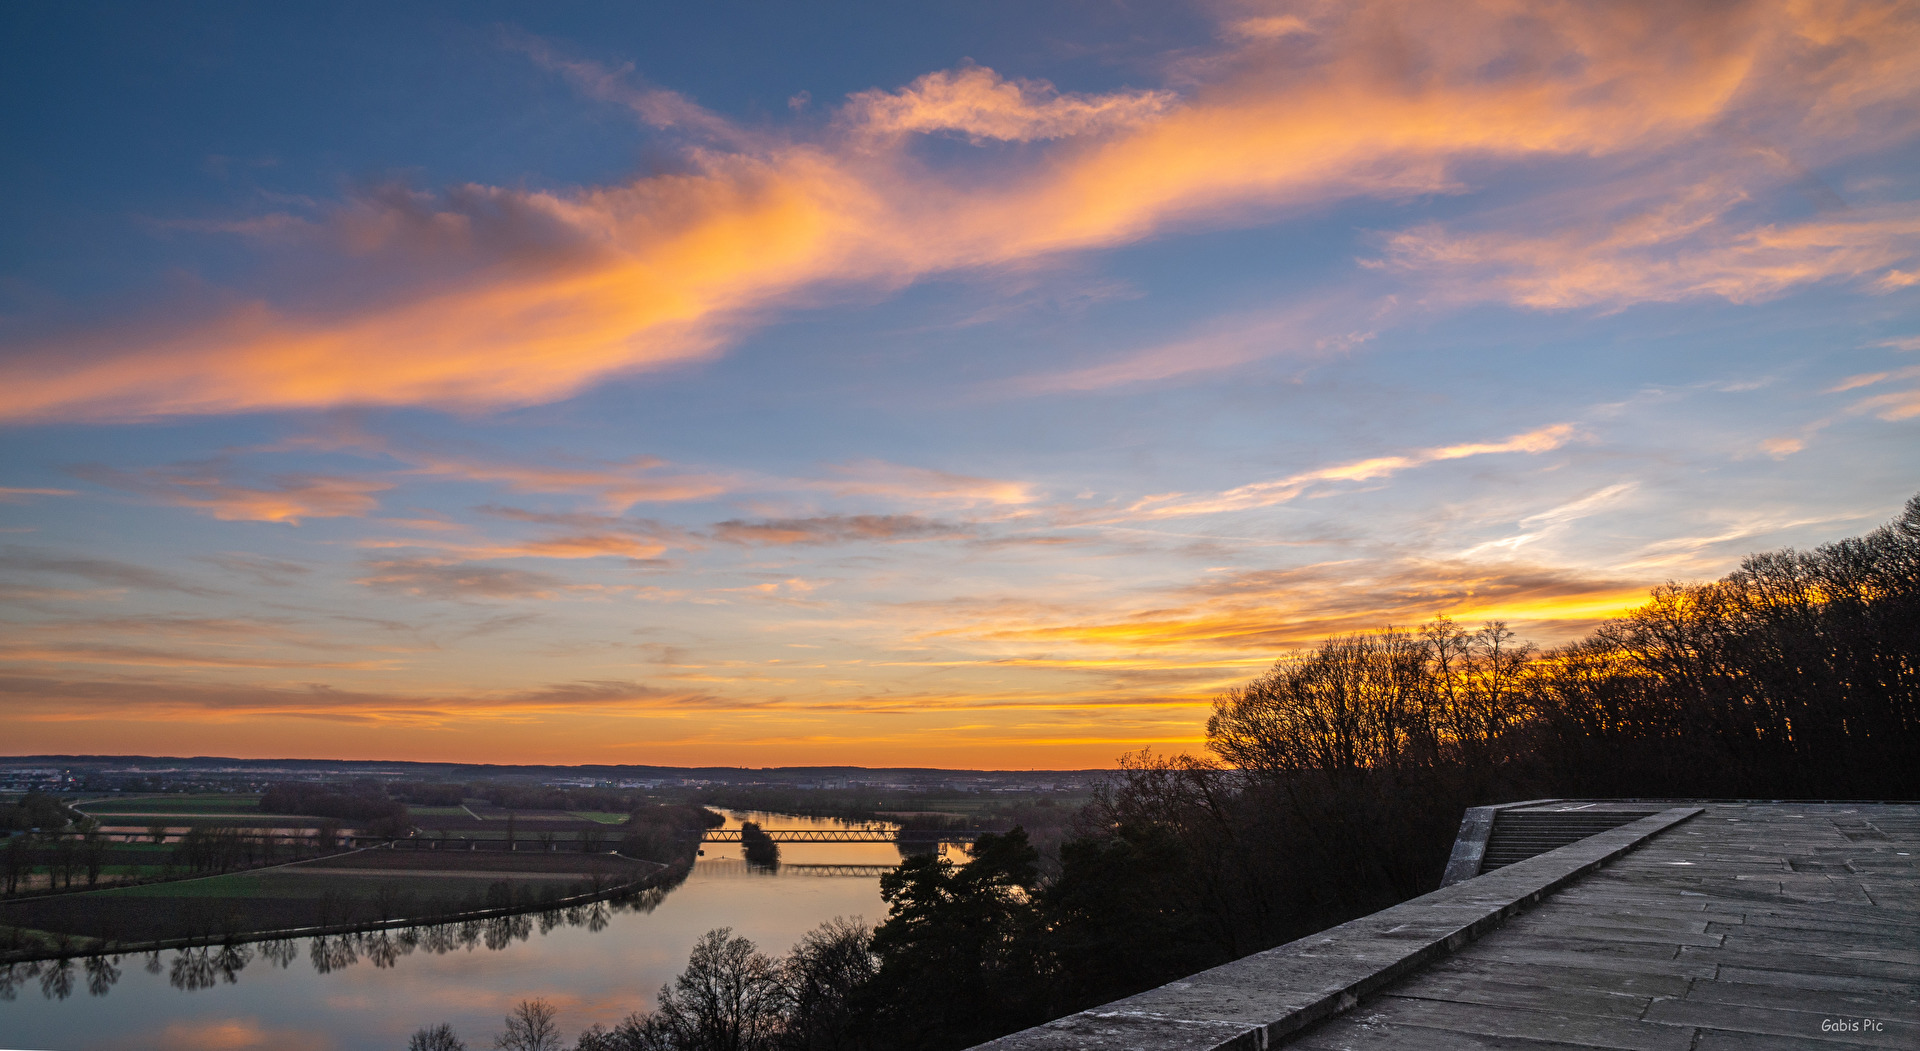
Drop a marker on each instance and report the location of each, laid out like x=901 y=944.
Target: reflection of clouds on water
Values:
x=206 y=966
x=443 y=971
x=729 y=868
x=203 y=967
x=235 y=1034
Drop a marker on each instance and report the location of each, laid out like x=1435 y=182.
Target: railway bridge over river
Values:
x=843 y=835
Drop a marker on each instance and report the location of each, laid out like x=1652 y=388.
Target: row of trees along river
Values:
x=1333 y=788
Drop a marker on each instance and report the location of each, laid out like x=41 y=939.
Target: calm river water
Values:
x=377 y=1001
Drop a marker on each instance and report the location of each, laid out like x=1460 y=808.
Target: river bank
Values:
x=368 y=990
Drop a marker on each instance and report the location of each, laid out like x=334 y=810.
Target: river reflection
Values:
x=203 y=967
x=371 y=989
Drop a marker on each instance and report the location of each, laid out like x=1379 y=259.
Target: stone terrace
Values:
x=1711 y=925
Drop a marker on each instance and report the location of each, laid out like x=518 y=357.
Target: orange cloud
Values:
x=534 y=295
x=1267 y=494
x=1272 y=611
x=1679 y=249
x=1893 y=405
x=184 y=642
x=920 y=484
x=236 y=1034
x=168 y=657
x=832 y=529
x=1897 y=405
x=289 y=498
x=1322 y=328
x=617 y=485
x=105 y=572
x=450 y=579
x=980 y=104
x=13 y=494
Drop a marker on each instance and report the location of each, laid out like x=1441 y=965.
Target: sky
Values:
x=979 y=385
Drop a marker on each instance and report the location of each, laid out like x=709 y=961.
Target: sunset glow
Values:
x=984 y=388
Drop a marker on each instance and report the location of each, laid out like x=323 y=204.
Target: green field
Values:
x=357 y=888
x=436 y=811
x=245 y=819
x=605 y=817
x=217 y=803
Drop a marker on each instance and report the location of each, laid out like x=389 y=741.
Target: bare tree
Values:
x=728 y=999
x=530 y=1028
x=435 y=1038
x=822 y=976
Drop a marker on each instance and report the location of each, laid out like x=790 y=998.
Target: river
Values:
x=599 y=967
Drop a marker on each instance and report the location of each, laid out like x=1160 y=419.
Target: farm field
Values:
x=363 y=887
x=219 y=803
x=253 y=820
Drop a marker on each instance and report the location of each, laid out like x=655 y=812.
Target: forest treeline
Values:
x=1333 y=788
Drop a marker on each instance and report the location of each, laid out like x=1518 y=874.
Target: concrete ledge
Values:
x=1470 y=843
x=1255 y=1002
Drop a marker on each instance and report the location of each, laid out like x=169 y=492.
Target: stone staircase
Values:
x=1519 y=835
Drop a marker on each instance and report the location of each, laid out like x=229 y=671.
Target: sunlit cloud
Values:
x=923 y=529
x=107 y=572
x=458 y=580
x=1280 y=491
x=1309 y=331
x=158 y=698
x=1546 y=523
x=532 y=295
x=1269 y=612
x=617 y=486
x=1893 y=405
x=920 y=484
x=272 y=572
x=168 y=657
x=980 y=104
x=287 y=498
x=833 y=529
x=236 y=1034
x=1676 y=250
x=13 y=494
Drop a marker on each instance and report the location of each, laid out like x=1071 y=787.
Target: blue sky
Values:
x=975 y=387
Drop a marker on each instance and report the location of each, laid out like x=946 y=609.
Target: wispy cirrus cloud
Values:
x=1283 y=490
x=1271 y=611
x=205 y=487
x=922 y=485
x=980 y=104
x=14 y=494
x=533 y=295
x=1320 y=328
x=1546 y=523
x=1675 y=249
x=39 y=697
x=1891 y=405
x=460 y=580
x=834 y=529
x=106 y=572
x=617 y=486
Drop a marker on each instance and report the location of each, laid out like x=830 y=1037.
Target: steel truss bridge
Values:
x=841 y=835
x=747 y=871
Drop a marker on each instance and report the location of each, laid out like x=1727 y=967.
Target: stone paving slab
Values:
x=1405 y=1036
x=1253 y=1002
x=1755 y=926
x=1878 y=1003
x=1509 y=1021
x=1626 y=981
x=1803 y=954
